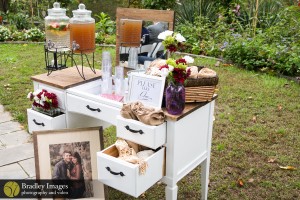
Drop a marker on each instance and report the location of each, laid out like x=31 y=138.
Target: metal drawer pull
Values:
x=115 y=173
x=93 y=109
x=39 y=124
x=134 y=131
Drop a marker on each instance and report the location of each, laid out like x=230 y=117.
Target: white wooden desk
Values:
x=188 y=136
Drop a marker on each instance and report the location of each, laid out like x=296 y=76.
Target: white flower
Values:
x=164 y=72
x=43 y=98
x=171 y=68
x=179 y=37
x=29 y=95
x=36 y=92
x=164 y=35
x=188 y=59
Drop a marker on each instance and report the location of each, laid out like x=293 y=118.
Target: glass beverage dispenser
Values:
x=57 y=28
x=82 y=30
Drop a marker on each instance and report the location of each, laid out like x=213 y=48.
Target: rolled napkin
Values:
x=154 y=66
x=133 y=145
x=145 y=154
x=147 y=115
x=206 y=73
x=129 y=155
x=127 y=113
x=194 y=72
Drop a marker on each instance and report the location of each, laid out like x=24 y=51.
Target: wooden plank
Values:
x=189 y=108
x=68 y=77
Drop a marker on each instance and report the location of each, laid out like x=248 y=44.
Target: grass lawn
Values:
x=256 y=128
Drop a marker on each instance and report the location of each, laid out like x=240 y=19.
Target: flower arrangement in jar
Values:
x=176 y=72
x=44 y=102
x=172 y=41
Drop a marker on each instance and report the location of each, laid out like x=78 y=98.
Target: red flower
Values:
x=172 y=48
x=164 y=66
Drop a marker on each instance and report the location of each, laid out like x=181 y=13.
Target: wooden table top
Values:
x=189 y=108
x=68 y=77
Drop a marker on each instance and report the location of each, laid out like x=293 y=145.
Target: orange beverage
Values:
x=84 y=35
x=130 y=32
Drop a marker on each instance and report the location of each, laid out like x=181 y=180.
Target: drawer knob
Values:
x=115 y=173
x=37 y=123
x=93 y=109
x=134 y=131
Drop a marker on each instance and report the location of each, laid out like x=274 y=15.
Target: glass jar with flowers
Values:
x=176 y=73
x=44 y=102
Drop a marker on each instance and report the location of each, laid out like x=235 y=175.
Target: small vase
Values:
x=175 y=98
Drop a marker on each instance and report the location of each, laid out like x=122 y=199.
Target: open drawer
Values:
x=124 y=176
x=39 y=121
x=140 y=133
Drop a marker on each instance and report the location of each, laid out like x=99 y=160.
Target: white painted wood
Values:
x=92 y=91
x=77 y=120
x=171 y=192
x=149 y=136
x=132 y=182
x=46 y=122
x=205 y=165
x=86 y=107
x=187 y=146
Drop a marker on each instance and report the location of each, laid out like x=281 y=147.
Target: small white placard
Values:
x=147 y=89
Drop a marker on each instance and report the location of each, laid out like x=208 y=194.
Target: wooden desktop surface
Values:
x=68 y=77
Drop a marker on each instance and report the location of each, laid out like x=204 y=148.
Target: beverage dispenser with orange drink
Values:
x=82 y=30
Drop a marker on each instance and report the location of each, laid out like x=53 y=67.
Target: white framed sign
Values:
x=147 y=89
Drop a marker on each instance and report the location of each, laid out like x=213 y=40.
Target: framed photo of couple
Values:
x=70 y=154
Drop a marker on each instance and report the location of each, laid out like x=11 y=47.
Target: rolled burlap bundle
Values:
x=127 y=113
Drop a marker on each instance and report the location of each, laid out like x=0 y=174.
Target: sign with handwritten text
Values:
x=147 y=89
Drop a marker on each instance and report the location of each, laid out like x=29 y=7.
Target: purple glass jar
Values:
x=175 y=98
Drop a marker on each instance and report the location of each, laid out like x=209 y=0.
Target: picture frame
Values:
x=51 y=146
x=147 y=89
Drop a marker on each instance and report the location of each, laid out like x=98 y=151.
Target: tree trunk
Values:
x=4 y=5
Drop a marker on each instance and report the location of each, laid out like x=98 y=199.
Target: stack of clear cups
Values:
x=119 y=81
x=133 y=58
x=106 y=73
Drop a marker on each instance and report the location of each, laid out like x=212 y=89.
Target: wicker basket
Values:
x=200 y=89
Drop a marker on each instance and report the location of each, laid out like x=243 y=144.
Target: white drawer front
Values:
x=38 y=121
x=92 y=108
x=138 y=132
x=59 y=93
x=125 y=176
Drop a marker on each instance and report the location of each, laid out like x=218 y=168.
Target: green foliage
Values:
x=105 y=29
x=277 y=49
x=34 y=34
x=159 y=4
x=4 y=33
x=205 y=37
x=188 y=11
x=105 y=25
x=20 y=20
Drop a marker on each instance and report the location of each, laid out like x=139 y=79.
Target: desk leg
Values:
x=204 y=178
x=171 y=192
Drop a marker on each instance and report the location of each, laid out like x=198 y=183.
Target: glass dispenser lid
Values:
x=56 y=10
x=81 y=11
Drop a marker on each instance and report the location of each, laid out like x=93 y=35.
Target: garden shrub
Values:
x=4 y=33
x=275 y=49
x=34 y=34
